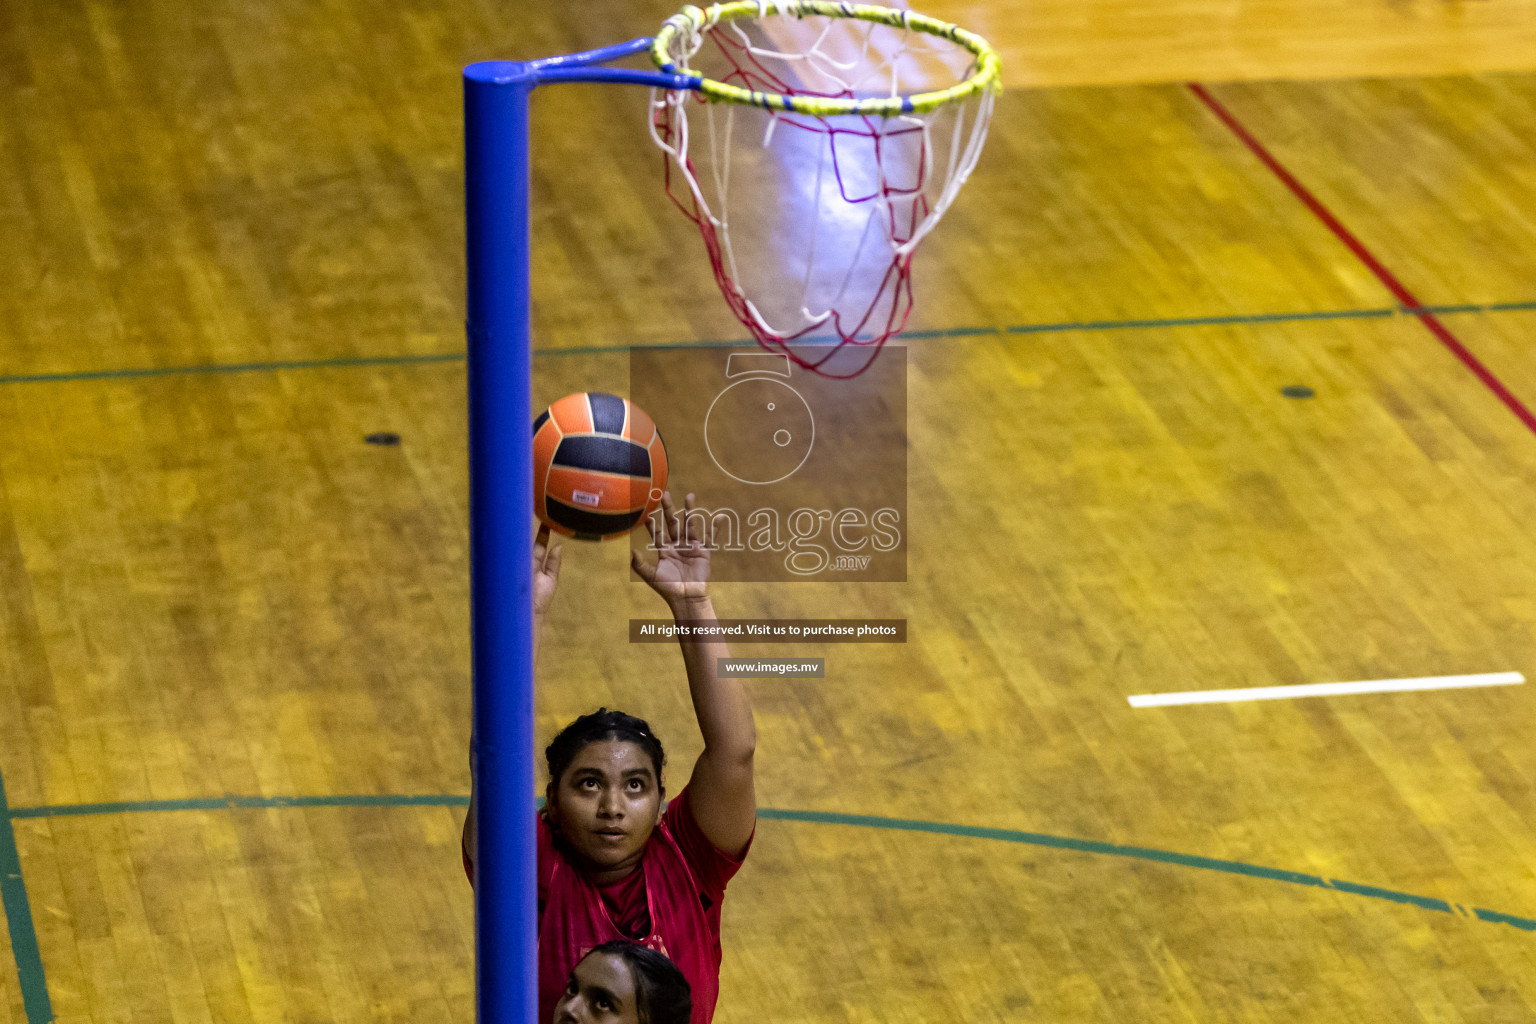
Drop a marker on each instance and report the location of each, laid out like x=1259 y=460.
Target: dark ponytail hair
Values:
x=662 y=995
x=601 y=725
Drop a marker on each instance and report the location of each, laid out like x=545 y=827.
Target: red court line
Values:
x=1385 y=276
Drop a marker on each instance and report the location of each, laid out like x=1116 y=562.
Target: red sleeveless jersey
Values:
x=684 y=880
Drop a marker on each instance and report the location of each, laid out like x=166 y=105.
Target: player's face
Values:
x=606 y=805
x=601 y=990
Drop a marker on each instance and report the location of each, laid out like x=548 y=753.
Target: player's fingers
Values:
x=643 y=570
x=552 y=561
x=689 y=538
x=540 y=547
x=669 y=517
x=703 y=527
x=658 y=542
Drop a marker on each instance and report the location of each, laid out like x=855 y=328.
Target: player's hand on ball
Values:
x=546 y=571
x=681 y=572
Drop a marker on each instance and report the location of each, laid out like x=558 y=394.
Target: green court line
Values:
x=218 y=803
x=173 y=371
x=1203 y=321
x=1492 y=307
x=1524 y=924
x=18 y=917
x=1139 y=853
x=953 y=332
x=819 y=818
x=1108 y=849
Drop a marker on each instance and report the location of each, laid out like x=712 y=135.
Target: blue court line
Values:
x=1236 y=319
x=18 y=917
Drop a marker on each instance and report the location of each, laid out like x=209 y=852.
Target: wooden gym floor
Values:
x=234 y=670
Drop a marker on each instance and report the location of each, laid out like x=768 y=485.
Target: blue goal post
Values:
x=499 y=326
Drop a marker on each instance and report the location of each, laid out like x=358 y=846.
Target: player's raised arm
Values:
x=720 y=793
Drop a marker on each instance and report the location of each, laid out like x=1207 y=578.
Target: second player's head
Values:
x=622 y=983
x=605 y=788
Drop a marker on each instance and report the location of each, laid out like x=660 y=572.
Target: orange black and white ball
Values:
x=599 y=466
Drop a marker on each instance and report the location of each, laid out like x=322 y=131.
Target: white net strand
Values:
x=720 y=162
x=810 y=259
x=816 y=263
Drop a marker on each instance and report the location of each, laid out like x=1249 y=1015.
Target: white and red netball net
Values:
x=810 y=214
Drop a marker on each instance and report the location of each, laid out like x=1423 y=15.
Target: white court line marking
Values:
x=1152 y=700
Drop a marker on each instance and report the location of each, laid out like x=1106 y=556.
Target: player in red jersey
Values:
x=615 y=861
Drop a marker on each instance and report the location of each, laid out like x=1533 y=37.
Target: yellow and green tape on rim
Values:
x=691 y=20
